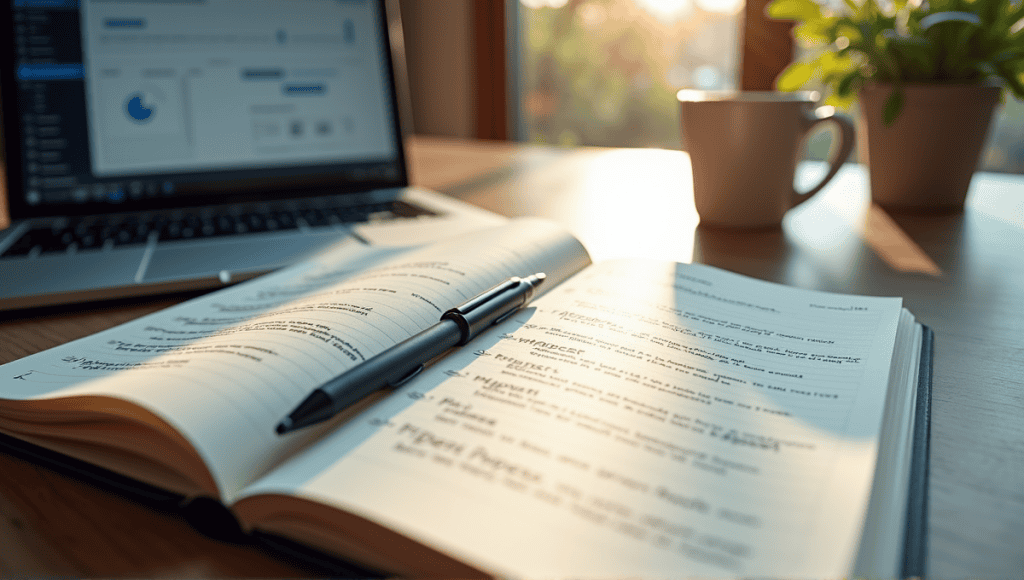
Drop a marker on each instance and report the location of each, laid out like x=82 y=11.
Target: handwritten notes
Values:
x=642 y=419
x=225 y=368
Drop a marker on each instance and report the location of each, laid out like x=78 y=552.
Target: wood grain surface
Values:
x=962 y=274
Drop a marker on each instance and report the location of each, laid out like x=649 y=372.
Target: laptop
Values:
x=163 y=146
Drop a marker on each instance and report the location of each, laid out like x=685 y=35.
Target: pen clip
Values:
x=408 y=377
x=487 y=296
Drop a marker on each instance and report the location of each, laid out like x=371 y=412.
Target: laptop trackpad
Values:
x=248 y=254
x=64 y=273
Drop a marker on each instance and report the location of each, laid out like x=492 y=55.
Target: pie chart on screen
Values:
x=140 y=107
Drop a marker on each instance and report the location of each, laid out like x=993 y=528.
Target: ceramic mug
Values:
x=744 y=147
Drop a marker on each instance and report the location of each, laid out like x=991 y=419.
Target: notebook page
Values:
x=224 y=369
x=643 y=419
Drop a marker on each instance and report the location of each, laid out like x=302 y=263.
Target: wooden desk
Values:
x=962 y=274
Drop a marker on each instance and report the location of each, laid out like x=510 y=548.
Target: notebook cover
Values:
x=915 y=539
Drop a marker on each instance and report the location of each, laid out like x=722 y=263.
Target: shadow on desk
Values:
x=873 y=252
x=776 y=255
x=768 y=252
x=944 y=236
x=161 y=525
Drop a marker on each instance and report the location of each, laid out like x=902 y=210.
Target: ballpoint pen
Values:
x=404 y=360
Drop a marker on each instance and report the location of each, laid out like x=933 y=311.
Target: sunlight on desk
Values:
x=618 y=202
x=844 y=211
x=894 y=246
x=607 y=197
x=645 y=195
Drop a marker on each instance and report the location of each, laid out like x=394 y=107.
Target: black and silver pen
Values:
x=401 y=362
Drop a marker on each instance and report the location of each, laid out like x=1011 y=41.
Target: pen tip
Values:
x=284 y=426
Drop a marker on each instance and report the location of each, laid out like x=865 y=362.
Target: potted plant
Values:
x=927 y=75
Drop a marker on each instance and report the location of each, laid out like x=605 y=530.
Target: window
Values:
x=605 y=72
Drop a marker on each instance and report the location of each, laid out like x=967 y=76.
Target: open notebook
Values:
x=641 y=418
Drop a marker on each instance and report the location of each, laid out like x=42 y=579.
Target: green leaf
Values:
x=827 y=62
x=846 y=27
x=893 y=106
x=1014 y=14
x=879 y=55
x=960 y=60
x=1018 y=84
x=815 y=32
x=916 y=56
x=1013 y=81
x=847 y=85
x=991 y=11
x=802 y=10
x=795 y=76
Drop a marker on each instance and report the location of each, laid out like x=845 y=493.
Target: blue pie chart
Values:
x=138 y=108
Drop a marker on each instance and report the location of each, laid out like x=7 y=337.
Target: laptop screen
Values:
x=121 y=105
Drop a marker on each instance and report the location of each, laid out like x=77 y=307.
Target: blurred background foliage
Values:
x=605 y=73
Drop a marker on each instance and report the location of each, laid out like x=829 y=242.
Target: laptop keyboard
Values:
x=93 y=234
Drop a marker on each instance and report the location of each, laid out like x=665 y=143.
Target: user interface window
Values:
x=229 y=84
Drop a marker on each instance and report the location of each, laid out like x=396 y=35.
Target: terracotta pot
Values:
x=924 y=161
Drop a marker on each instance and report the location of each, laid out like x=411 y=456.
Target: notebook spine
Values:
x=915 y=541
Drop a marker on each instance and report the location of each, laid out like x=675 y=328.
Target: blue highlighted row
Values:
x=313 y=89
x=50 y=72
x=46 y=3
x=125 y=23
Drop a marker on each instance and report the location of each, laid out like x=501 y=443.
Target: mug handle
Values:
x=845 y=125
